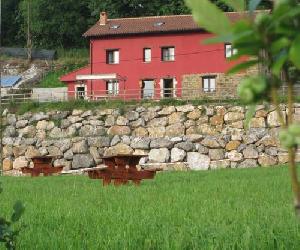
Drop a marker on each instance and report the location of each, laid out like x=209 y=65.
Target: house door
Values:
x=148 y=89
x=168 y=88
x=80 y=92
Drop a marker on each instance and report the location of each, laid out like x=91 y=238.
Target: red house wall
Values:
x=192 y=56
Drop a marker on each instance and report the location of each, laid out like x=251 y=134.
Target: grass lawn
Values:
x=228 y=209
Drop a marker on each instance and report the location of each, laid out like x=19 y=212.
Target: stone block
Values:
x=197 y=161
x=7 y=164
x=177 y=155
x=220 y=164
x=159 y=155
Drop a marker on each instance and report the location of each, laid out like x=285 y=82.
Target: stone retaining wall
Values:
x=182 y=137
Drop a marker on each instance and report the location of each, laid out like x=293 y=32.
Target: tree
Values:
x=10 y=23
x=59 y=24
x=273 y=41
x=62 y=23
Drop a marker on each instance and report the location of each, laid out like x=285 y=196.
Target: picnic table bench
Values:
x=42 y=165
x=121 y=169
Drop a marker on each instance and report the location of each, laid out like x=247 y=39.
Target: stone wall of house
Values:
x=181 y=137
x=226 y=85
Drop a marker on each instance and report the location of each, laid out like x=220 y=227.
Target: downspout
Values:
x=91 y=63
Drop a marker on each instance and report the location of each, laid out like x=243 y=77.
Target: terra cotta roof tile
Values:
x=149 y=25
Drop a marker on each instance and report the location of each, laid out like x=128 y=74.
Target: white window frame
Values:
x=209 y=84
x=229 y=50
x=112 y=87
x=147 y=55
x=115 y=54
x=79 y=94
x=168 y=54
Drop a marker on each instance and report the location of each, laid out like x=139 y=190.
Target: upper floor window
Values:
x=229 y=50
x=147 y=55
x=209 y=83
x=112 y=87
x=113 y=56
x=168 y=54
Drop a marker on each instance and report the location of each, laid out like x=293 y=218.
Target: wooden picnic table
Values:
x=121 y=169
x=42 y=165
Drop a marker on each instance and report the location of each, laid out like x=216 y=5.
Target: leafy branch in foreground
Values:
x=8 y=234
x=271 y=40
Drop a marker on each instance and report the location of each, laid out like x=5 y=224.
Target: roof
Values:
x=150 y=25
x=71 y=77
x=9 y=81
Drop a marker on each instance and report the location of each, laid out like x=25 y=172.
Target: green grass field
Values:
x=228 y=209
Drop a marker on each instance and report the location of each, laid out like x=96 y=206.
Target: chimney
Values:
x=103 y=18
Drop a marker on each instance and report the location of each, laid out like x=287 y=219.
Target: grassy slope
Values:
x=241 y=209
x=68 y=60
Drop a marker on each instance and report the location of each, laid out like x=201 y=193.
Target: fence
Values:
x=35 y=54
x=61 y=94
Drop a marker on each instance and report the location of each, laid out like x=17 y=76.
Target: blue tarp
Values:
x=9 y=81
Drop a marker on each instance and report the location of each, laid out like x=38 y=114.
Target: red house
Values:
x=152 y=57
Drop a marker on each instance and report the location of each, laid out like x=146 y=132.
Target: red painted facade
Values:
x=192 y=56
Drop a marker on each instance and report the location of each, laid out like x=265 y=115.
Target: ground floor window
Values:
x=168 y=88
x=80 y=92
x=209 y=83
x=112 y=87
x=147 y=89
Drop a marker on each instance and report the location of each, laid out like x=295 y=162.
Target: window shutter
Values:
x=109 y=87
x=206 y=84
x=212 y=84
x=116 y=83
x=172 y=54
x=116 y=56
x=147 y=55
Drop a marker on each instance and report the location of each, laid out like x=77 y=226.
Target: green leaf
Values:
x=287 y=139
x=280 y=44
x=249 y=115
x=253 y=4
x=278 y=64
x=238 y=5
x=242 y=66
x=18 y=211
x=295 y=52
x=209 y=16
x=230 y=37
x=219 y=39
x=1 y=190
x=294 y=129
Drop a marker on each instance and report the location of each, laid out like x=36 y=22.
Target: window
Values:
x=114 y=27
x=148 y=89
x=209 y=83
x=159 y=24
x=80 y=92
x=168 y=90
x=168 y=54
x=113 y=56
x=112 y=87
x=147 y=55
x=229 y=50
